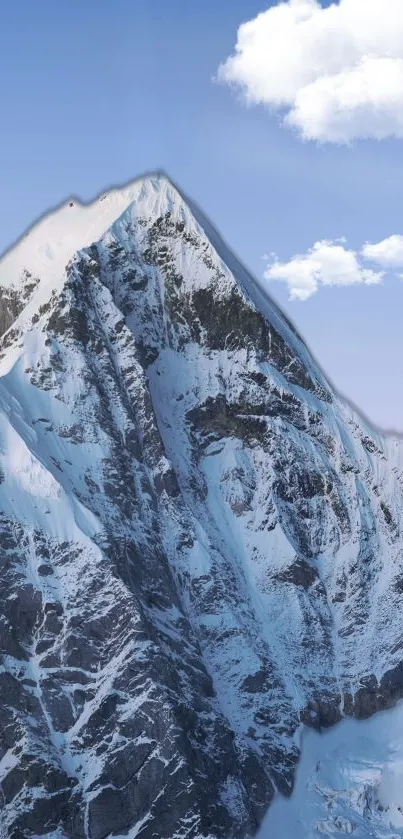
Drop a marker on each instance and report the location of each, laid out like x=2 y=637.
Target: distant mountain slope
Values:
x=201 y=543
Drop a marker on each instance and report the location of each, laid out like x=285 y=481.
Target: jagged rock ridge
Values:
x=200 y=541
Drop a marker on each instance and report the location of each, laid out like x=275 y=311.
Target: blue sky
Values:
x=93 y=94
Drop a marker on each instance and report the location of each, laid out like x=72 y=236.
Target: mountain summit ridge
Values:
x=201 y=541
x=73 y=224
x=51 y=242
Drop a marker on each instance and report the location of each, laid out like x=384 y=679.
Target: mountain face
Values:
x=201 y=542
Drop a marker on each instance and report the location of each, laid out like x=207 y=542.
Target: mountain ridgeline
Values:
x=200 y=541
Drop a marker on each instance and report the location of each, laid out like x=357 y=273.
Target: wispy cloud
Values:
x=335 y=73
x=388 y=253
x=327 y=263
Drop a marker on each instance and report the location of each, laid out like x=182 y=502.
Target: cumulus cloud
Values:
x=335 y=73
x=327 y=263
x=388 y=252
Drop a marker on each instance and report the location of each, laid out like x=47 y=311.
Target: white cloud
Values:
x=388 y=252
x=336 y=73
x=325 y=264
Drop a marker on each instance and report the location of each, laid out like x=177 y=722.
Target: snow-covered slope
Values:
x=349 y=783
x=201 y=542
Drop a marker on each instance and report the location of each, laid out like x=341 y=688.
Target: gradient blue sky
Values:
x=93 y=94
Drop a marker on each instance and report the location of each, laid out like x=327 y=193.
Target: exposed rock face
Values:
x=13 y=301
x=200 y=543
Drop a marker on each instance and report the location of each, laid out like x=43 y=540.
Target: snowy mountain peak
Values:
x=201 y=542
x=47 y=247
x=36 y=266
